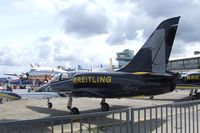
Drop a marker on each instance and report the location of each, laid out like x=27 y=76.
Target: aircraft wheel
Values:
x=50 y=105
x=74 y=111
x=105 y=107
x=151 y=97
x=195 y=97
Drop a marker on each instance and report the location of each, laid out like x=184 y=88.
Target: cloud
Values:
x=68 y=33
x=46 y=6
x=159 y=8
x=44 y=39
x=6 y=59
x=57 y=51
x=126 y=29
x=12 y=55
x=188 y=28
x=15 y=58
x=85 y=20
x=177 y=49
x=146 y=15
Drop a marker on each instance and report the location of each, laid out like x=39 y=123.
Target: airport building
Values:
x=124 y=57
x=184 y=64
x=174 y=65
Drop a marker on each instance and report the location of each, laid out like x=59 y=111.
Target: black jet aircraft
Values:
x=191 y=81
x=145 y=74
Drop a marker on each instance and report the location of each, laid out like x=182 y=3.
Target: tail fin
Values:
x=154 y=54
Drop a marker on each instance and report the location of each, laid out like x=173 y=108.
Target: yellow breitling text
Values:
x=92 y=79
x=193 y=77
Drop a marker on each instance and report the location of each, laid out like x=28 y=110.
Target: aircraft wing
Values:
x=25 y=94
x=11 y=74
x=38 y=95
x=9 y=95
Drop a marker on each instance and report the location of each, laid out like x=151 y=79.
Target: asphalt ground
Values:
x=33 y=108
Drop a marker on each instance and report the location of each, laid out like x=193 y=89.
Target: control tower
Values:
x=124 y=57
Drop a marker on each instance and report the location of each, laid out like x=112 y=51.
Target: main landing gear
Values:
x=75 y=110
x=49 y=104
x=195 y=95
x=151 y=97
x=104 y=105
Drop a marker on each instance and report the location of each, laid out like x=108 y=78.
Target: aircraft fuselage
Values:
x=114 y=84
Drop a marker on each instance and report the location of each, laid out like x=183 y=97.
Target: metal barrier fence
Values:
x=178 y=118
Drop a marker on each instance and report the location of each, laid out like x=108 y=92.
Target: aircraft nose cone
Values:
x=17 y=97
x=10 y=95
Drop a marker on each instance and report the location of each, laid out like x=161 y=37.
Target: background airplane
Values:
x=190 y=80
x=46 y=73
x=38 y=72
x=145 y=74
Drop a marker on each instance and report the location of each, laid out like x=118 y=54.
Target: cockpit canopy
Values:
x=61 y=76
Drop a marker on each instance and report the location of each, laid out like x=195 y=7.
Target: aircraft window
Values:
x=56 y=78
x=65 y=76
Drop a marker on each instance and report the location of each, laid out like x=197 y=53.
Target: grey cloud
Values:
x=59 y=45
x=45 y=38
x=54 y=52
x=117 y=35
x=7 y=58
x=127 y=29
x=158 y=8
x=178 y=49
x=135 y=23
x=188 y=10
x=12 y=56
x=151 y=13
x=66 y=58
x=6 y=61
x=71 y=59
x=85 y=23
x=44 y=50
x=116 y=38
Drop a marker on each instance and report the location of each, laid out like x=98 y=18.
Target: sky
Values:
x=88 y=32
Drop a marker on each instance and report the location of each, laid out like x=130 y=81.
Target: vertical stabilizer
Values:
x=154 y=54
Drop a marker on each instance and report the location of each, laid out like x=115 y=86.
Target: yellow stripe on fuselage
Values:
x=141 y=73
x=187 y=87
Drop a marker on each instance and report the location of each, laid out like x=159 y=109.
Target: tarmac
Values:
x=37 y=108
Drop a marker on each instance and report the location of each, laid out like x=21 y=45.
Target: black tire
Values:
x=105 y=107
x=192 y=98
x=195 y=97
x=151 y=97
x=74 y=111
x=50 y=105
